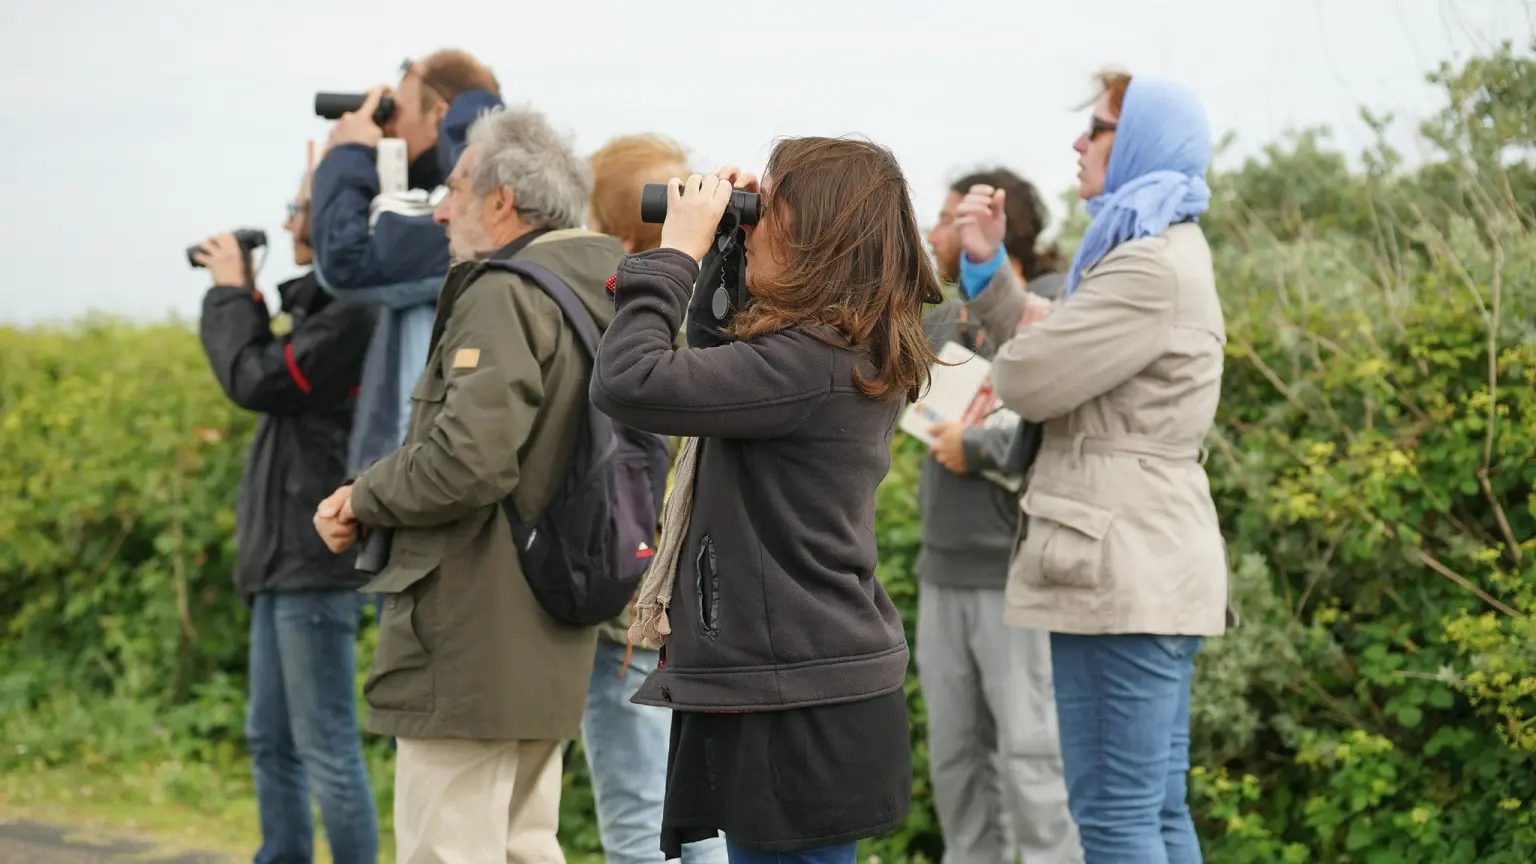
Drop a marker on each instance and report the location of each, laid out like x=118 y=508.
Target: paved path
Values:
x=31 y=843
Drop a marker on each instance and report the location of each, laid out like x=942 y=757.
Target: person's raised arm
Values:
x=353 y=257
x=1115 y=324
x=991 y=289
x=760 y=388
x=315 y=365
x=763 y=388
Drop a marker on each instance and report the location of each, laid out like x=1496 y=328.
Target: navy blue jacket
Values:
x=386 y=251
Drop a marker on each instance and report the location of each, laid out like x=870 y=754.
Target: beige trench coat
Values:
x=1121 y=534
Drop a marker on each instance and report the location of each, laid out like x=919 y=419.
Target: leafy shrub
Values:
x=1374 y=464
x=116 y=514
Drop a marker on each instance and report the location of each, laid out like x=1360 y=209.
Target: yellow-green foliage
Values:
x=122 y=458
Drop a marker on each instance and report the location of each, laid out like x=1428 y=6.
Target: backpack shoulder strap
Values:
x=599 y=427
x=558 y=291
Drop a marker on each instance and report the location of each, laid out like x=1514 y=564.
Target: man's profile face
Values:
x=417 y=128
x=945 y=243
x=297 y=225
x=463 y=212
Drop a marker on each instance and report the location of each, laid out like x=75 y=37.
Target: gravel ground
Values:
x=31 y=843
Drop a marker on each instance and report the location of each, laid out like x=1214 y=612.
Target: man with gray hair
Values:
x=475 y=679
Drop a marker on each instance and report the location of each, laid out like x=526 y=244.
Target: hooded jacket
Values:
x=386 y=251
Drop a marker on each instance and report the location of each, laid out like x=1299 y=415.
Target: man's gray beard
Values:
x=473 y=255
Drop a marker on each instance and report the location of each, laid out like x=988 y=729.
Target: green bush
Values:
x=1374 y=464
x=116 y=515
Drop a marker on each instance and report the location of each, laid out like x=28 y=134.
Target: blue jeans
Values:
x=1122 y=702
x=626 y=748
x=301 y=724
x=843 y=853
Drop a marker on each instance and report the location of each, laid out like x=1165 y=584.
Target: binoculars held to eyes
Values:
x=653 y=205
x=722 y=280
x=332 y=105
x=247 y=238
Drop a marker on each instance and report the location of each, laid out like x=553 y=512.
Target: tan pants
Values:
x=475 y=802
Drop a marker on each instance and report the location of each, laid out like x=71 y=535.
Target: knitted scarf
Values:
x=651 y=626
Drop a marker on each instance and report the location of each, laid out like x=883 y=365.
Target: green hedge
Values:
x=1373 y=464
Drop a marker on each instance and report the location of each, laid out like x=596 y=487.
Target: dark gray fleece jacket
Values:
x=970 y=523
x=776 y=604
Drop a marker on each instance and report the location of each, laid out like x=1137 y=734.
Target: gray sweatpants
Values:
x=993 y=748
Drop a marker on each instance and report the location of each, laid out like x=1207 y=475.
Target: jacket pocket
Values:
x=400 y=678
x=427 y=399
x=1065 y=543
x=708 y=588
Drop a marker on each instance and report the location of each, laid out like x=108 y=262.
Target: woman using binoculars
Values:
x=783 y=658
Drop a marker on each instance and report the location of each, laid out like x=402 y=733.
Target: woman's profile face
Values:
x=1093 y=148
x=765 y=250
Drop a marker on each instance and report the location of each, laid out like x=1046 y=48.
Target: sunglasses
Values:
x=1096 y=125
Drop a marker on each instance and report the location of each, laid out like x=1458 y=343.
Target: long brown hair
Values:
x=855 y=259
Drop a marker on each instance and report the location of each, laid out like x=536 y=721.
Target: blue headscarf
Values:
x=1156 y=174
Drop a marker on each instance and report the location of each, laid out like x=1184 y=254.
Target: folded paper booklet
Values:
x=961 y=393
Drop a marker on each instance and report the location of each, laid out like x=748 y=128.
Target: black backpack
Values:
x=585 y=555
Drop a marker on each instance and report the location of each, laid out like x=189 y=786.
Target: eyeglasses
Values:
x=1097 y=124
x=297 y=208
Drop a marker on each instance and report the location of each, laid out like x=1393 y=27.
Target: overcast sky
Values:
x=137 y=127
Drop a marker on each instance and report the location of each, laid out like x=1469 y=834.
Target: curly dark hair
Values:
x=1027 y=216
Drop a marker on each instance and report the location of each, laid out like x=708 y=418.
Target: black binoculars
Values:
x=332 y=105
x=653 y=205
x=247 y=238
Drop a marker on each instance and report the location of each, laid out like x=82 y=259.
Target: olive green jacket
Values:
x=465 y=651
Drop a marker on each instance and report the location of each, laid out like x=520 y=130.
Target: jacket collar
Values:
x=302 y=293
x=511 y=249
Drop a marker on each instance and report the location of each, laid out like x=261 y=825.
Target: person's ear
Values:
x=439 y=111
x=506 y=204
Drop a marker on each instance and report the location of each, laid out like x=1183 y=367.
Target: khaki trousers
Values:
x=474 y=802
